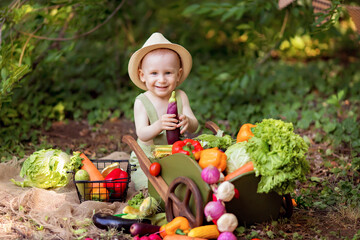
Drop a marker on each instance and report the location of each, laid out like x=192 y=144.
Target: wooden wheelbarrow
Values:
x=184 y=193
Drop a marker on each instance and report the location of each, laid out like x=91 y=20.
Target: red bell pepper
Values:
x=116 y=182
x=187 y=146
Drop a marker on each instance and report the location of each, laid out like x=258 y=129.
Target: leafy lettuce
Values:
x=211 y=141
x=279 y=156
x=48 y=168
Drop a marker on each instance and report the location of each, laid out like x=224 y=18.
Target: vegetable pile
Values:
x=270 y=148
x=109 y=184
x=279 y=156
x=52 y=168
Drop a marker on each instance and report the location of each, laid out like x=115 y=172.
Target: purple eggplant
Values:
x=106 y=221
x=173 y=135
x=141 y=229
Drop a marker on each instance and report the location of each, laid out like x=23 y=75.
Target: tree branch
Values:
x=76 y=36
x=26 y=43
x=278 y=42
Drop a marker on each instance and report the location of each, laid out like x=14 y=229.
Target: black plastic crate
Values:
x=89 y=187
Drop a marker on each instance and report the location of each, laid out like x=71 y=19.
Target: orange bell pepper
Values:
x=177 y=223
x=212 y=156
x=245 y=133
x=162 y=231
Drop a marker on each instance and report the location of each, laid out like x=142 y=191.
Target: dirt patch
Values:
x=95 y=141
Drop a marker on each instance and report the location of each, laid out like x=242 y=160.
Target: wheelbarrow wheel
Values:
x=174 y=207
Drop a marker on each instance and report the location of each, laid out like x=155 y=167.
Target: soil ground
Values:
x=101 y=140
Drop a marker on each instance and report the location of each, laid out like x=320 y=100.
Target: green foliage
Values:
x=68 y=60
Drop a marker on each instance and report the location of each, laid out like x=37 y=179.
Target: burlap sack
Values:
x=33 y=213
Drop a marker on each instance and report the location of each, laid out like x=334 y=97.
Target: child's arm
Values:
x=144 y=130
x=188 y=120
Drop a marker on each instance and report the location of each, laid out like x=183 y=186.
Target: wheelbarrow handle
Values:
x=212 y=126
x=144 y=162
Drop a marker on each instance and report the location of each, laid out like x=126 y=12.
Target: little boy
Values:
x=158 y=68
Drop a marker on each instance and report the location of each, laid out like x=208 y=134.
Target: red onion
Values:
x=214 y=210
x=226 y=236
x=210 y=174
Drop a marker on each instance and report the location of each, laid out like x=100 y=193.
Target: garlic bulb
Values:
x=225 y=191
x=227 y=222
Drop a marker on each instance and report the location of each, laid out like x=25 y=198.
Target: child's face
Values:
x=160 y=71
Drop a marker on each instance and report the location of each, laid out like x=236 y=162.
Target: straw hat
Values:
x=156 y=41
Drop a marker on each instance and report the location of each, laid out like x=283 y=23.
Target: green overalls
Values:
x=138 y=177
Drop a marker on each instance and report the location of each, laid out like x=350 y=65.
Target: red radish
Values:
x=154 y=237
x=214 y=210
x=173 y=135
x=237 y=194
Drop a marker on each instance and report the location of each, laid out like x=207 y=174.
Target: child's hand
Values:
x=169 y=122
x=184 y=123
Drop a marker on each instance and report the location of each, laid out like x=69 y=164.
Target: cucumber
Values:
x=83 y=188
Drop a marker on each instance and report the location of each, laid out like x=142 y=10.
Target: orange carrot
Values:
x=247 y=167
x=93 y=172
x=181 y=237
x=99 y=191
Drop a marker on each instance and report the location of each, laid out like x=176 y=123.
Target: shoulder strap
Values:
x=150 y=109
x=178 y=101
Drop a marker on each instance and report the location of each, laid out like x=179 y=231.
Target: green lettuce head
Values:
x=48 y=169
x=237 y=156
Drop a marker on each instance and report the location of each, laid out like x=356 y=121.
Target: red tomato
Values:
x=155 y=169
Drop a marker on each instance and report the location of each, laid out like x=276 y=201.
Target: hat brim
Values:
x=134 y=62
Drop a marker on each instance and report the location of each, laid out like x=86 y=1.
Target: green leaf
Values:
x=191 y=9
x=329 y=127
x=4 y=73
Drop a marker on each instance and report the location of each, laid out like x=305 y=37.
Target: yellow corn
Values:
x=130 y=210
x=207 y=231
x=160 y=151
